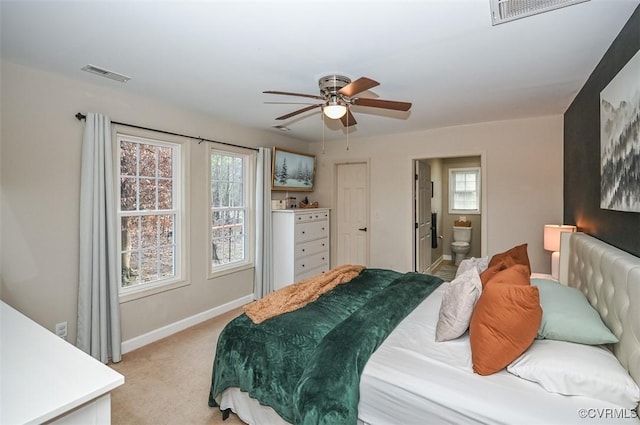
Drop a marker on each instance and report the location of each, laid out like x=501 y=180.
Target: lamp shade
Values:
x=552 y=235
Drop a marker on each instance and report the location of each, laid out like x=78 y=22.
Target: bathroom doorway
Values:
x=441 y=218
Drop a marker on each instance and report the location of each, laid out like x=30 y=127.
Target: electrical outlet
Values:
x=61 y=330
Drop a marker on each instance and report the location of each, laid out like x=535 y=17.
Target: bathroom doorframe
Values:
x=484 y=210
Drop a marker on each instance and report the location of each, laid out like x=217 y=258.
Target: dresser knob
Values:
x=303 y=232
x=302 y=249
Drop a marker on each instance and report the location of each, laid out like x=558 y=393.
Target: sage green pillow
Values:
x=568 y=316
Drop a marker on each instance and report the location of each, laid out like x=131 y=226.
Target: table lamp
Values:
x=552 y=243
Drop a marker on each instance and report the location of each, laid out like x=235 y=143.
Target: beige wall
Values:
x=522 y=174
x=40 y=168
x=40 y=143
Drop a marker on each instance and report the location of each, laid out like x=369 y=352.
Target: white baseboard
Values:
x=180 y=325
x=436 y=263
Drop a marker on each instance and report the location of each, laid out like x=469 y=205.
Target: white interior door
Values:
x=352 y=214
x=423 y=216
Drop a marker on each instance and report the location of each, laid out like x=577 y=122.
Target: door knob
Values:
x=363 y=229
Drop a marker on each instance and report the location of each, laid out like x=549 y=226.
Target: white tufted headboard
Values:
x=610 y=278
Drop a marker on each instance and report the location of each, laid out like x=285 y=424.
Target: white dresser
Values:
x=46 y=379
x=300 y=244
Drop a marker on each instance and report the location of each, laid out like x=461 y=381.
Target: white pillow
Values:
x=457 y=305
x=480 y=264
x=576 y=369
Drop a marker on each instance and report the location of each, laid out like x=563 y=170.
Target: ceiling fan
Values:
x=338 y=93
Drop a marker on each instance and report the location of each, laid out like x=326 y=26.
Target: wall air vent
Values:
x=106 y=73
x=508 y=10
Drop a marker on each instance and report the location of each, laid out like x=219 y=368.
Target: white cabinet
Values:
x=300 y=244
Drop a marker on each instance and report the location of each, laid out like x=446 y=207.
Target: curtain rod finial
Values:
x=80 y=116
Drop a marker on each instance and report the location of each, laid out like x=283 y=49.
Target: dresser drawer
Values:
x=312 y=273
x=312 y=247
x=311 y=230
x=312 y=216
x=311 y=262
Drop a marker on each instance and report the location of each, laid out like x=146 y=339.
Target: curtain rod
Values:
x=81 y=116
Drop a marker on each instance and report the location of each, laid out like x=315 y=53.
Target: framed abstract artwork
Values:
x=620 y=140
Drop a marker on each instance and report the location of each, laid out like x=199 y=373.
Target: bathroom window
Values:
x=464 y=190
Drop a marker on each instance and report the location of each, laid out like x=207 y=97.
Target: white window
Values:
x=150 y=213
x=464 y=190
x=231 y=191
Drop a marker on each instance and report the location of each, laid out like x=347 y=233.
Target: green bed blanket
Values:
x=306 y=364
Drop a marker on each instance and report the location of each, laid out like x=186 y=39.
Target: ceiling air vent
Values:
x=106 y=73
x=281 y=127
x=508 y=10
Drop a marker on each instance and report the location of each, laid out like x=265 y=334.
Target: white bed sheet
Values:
x=411 y=379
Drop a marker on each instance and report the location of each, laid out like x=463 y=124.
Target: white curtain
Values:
x=264 y=279
x=98 y=306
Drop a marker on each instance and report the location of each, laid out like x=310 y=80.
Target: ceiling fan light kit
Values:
x=339 y=94
x=334 y=110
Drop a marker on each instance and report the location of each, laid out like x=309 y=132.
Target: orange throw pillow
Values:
x=517 y=274
x=518 y=254
x=494 y=269
x=504 y=324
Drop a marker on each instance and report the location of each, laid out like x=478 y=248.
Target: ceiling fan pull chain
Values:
x=322 y=133
x=347 y=131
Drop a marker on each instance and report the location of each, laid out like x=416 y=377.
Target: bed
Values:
x=409 y=378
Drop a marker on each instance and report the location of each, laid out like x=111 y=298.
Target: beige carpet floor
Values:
x=167 y=382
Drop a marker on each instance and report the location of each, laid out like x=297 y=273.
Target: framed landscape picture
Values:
x=620 y=140
x=292 y=171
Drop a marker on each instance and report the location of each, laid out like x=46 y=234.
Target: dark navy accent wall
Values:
x=582 y=151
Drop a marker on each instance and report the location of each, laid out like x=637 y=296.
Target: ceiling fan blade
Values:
x=358 y=86
x=379 y=103
x=313 y=96
x=299 y=111
x=290 y=103
x=348 y=119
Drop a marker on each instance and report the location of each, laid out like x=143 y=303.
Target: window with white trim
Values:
x=230 y=217
x=464 y=190
x=149 y=212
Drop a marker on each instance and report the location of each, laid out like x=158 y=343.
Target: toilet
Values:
x=461 y=243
